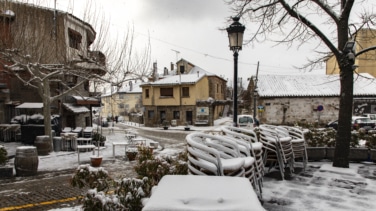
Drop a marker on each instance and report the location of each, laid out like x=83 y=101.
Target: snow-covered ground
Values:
x=320 y=187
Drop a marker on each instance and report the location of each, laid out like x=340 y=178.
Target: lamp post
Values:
x=235 y=35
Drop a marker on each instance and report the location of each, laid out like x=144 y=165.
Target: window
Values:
x=217 y=88
x=74 y=39
x=146 y=93
x=121 y=96
x=185 y=91
x=167 y=92
x=151 y=114
x=121 y=105
x=176 y=114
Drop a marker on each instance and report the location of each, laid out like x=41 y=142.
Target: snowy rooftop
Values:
x=176 y=79
x=312 y=85
x=76 y=109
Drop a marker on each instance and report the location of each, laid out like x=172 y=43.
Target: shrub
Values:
x=155 y=168
x=127 y=193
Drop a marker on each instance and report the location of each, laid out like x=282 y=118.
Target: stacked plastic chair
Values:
x=277 y=148
x=255 y=148
x=298 y=144
x=213 y=155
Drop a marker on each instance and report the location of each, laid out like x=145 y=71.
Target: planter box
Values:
x=372 y=155
x=6 y=171
x=329 y=153
x=359 y=154
x=316 y=153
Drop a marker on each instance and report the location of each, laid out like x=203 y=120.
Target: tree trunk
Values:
x=47 y=109
x=343 y=137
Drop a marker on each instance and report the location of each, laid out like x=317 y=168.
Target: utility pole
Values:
x=255 y=91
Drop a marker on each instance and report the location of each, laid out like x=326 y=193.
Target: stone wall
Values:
x=292 y=110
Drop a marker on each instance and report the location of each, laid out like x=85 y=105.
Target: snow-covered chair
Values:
x=205 y=158
x=67 y=130
x=248 y=138
x=298 y=144
x=277 y=148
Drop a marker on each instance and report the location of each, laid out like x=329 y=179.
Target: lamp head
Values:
x=235 y=34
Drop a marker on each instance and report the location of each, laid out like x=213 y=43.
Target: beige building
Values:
x=366 y=62
x=122 y=102
x=188 y=94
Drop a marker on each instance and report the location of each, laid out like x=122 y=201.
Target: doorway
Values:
x=189 y=117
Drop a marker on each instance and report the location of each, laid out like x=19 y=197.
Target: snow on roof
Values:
x=30 y=105
x=178 y=79
x=85 y=98
x=75 y=108
x=312 y=85
x=135 y=88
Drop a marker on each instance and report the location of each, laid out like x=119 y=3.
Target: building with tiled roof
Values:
x=188 y=94
x=288 y=99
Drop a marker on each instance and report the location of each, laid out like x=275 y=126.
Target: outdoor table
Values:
x=89 y=146
x=69 y=141
x=118 y=143
x=192 y=192
x=139 y=140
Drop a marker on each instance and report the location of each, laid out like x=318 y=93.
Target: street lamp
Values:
x=235 y=35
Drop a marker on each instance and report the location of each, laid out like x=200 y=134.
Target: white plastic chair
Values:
x=249 y=136
x=278 y=148
x=206 y=158
x=298 y=144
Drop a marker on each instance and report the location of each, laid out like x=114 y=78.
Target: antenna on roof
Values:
x=177 y=54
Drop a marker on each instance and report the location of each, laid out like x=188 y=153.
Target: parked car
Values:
x=247 y=121
x=332 y=124
x=362 y=122
x=371 y=116
x=357 y=122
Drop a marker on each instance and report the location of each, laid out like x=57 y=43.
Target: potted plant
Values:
x=131 y=153
x=165 y=124
x=187 y=126
x=5 y=171
x=98 y=139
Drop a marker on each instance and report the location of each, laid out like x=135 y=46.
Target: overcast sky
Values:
x=192 y=29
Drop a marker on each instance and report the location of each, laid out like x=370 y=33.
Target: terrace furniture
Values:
x=277 y=147
x=192 y=192
x=206 y=158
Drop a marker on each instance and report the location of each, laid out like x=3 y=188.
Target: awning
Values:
x=30 y=105
x=75 y=108
x=86 y=100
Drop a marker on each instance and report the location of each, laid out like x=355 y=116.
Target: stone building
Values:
x=52 y=39
x=289 y=99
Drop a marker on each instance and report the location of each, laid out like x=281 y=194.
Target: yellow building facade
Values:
x=186 y=95
x=366 y=62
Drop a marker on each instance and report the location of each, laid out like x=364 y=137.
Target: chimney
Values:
x=165 y=71
x=130 y=86
x=172 y=66
x=155 y=72
x=198 y=74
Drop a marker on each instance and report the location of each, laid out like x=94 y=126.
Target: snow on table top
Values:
x=190 y=192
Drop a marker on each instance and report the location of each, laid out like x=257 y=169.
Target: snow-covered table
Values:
x=191 y=192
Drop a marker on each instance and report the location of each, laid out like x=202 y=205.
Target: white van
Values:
x=246 y=121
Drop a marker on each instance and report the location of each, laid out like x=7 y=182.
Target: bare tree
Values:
x=57 y=59
x=325 y=23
